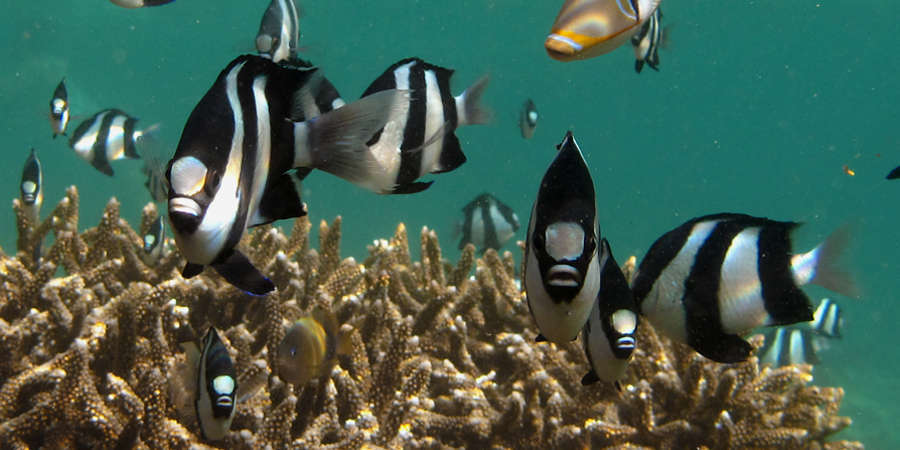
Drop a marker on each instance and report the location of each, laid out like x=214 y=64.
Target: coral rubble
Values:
x=90 y=355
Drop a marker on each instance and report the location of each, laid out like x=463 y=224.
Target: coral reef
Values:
x=90 y=355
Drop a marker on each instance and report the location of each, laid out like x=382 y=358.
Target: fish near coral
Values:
x=31 y=188
x=609 y=333
x=310 y=348
x=714 y=278
x=562 y=271
x=59 y=109
x=487 y=223
x=588 y=28
x=232 y=168
x=216 y=388
x=106 y=136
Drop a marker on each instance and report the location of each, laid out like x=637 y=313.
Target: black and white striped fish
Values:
x=646 y=43
x=609 y=333
x=715 y=278
x=562 y=268
x=131 y=4
x=279 y=31
x=528 y=118
x=421 y=138
x=59 y=109
x=487 y=223
x=31 y=188
x=106 y=136
x=216 y=388
x=233 y=166
x=827 y=320
x=155 y=241
x=789 y=345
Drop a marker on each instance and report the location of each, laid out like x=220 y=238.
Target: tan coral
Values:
x=439 y=355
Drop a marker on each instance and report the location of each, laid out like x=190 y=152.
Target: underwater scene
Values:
x=410 y=211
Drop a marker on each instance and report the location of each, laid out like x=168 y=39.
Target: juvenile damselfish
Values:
x=562 y=269
x=713 y=279
x=106 y=136
x=588 y=28
x=233 y=167
x=216 y=388
x=420 y=138
x=59 y=109
x=487 y=223
x=31 y=188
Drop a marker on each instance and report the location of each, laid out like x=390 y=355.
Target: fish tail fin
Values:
x=336 y=141
x=469 y=107
x=828 y=271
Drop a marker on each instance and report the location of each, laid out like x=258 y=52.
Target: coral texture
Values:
x=438 y=357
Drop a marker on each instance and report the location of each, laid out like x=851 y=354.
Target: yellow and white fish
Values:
x=588 y=28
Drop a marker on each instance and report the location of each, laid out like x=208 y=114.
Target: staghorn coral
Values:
x=90 y=355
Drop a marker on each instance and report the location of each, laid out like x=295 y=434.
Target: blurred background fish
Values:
x=131 y=4
x=528 y=118
x=59 y=109
x=106 y=136
x=803 y=343
x=588 y=28
x=487 y=223
x=647 y=41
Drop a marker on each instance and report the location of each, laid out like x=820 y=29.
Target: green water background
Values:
x=757 y=107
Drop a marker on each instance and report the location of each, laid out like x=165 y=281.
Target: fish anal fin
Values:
x=103 y=166
x=240 y=272
x=411 y=188
x=726 y=348
x=590 y=378
x=191 y=270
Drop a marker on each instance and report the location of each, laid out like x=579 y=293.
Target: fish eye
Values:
x=212 y=183
x=187 y=176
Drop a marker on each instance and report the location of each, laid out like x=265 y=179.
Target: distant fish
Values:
x=588 y=28
x=609 y=333
x=310 y=348
x=156 y=183
x=279 y=31
x=487 y=223
x=562 y=268
x=31 y=189
x=715 y=278
x=59 y=109
x=131 y=4
x=827 y=320
x=155 y=241
x=528 y=118
x=647 y=41
x=894 y=174
x=106 y=136
x=216 y=388
x=787 y=346
x=420 y=139
x=233 y=166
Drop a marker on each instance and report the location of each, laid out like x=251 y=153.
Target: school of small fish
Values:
x=268 y=120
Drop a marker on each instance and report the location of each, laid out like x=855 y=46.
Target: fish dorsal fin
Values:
x=281 y=199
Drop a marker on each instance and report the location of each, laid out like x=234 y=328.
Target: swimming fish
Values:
x=588 y=28
x=31 y=189
x=827 y=320
x=562 y=268
x=609 y=333
x=279 y=31
x=420 y=139
x=646 y=43
x=310 y=348
x=528 y=118
x=216 y=388
x=789 y=345
x=140 y=3
x=716 y=277
x=232 y=168
x=59 y=109
x=106 y=136
x=487 y=223
x=155 y=241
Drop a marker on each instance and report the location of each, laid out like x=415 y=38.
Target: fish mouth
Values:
x=563 y=275
x=185 y=214
x=625 y=343
x=562 y=48
x=28 y=199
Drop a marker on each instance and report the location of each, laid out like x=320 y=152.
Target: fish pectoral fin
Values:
x=727 y=348
x=281 y=200
x=240 y=272
x=411 y=188
x=590 y=378
x=191 y=270
x=452 y=155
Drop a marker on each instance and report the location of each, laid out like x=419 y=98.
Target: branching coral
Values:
x=437 y=356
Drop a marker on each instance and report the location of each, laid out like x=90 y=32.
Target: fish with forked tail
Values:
x=245 y=148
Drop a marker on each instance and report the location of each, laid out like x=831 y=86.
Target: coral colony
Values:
x=91 y=352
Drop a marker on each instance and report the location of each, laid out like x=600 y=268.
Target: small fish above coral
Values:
x=487 y=223
x=59 y=109
x=31 y=188
x=106 y=136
